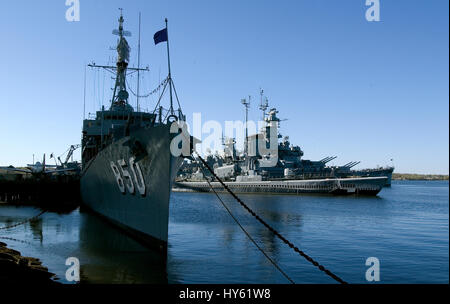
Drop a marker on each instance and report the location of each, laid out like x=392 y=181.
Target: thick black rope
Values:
x=245 y=231
x=295 y=248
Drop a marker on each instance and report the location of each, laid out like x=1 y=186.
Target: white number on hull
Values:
x=138 y=177
x=118 y=177
x=124 y=174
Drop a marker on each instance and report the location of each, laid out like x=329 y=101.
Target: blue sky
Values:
x=367 y=91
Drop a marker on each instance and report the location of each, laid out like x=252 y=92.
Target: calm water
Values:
x=405 y=227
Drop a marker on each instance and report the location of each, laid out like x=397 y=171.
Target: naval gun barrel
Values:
x=354 y=164
x=327 y=159
x=351 y=164
x=331 y=158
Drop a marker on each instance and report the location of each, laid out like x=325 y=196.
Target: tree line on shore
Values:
x=412 y=176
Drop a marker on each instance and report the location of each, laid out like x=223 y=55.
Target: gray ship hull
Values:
x=363 y=186
x=375 y=173
x=134 y=196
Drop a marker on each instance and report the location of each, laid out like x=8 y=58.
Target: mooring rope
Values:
x=248 y=234
x=282 y=238
x=23 y=222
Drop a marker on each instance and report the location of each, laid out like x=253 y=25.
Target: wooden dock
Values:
x=46 y=191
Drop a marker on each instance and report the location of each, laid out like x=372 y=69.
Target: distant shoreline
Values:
x=412 y=176
x=4 y=175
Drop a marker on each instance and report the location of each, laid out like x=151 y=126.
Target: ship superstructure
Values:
x=285 y=163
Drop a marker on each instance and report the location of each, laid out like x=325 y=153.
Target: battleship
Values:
x=127 y=165
x=283 y=172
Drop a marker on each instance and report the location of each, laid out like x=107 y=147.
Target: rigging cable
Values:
x=176 y=95
x=151 y=92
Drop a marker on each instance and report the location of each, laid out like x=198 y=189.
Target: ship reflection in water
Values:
x=106 y=255
x=113 y=257
x=405 y=227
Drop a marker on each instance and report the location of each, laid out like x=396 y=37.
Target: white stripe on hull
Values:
x=369 y=185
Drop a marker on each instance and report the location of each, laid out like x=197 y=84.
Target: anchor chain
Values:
x=246 y=233
x=275 y=232
x=23 y=222
x=15 y=240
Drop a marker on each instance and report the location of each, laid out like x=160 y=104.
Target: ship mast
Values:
x=139 y=63
x=123 y=56
x=170 y=74
x=247 y=106
x=120 y=94
x=163 y=36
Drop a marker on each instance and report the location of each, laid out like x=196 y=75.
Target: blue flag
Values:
x=160 y=36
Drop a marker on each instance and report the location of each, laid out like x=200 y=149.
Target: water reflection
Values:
x=36 y=229
x=110 y=256
x=206 y=246
x=274 y=210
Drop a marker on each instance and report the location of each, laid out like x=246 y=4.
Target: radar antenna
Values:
x=247 y=106
x=263 y=104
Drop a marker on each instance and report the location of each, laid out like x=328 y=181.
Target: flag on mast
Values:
x=160 y=36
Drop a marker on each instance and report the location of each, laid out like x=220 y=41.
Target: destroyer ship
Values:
x=127 y=165
x=254 y=171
